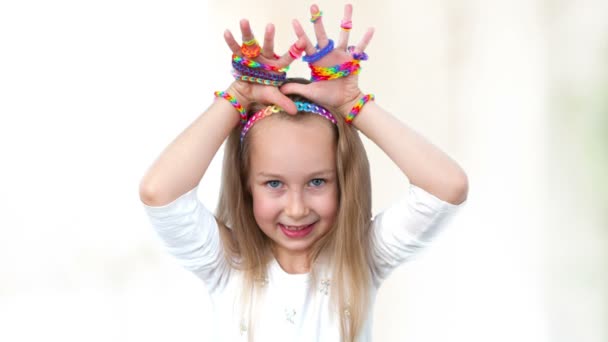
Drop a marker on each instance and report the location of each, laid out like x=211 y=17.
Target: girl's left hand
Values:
x=337 y=95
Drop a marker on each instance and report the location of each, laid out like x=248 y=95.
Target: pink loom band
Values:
x=346 y=25
x=295 y=52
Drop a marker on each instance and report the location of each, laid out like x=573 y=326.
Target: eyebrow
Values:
x=314 y=174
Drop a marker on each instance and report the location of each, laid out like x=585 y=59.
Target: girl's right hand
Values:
x=247 y=92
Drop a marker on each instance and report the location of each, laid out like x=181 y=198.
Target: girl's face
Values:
x=293 y=181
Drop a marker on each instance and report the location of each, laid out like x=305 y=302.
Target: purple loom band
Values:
x=362 y=56
x=245 y=70
x=320 y=53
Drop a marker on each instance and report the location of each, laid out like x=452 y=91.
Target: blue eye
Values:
x=273 y=184
x=317 y=182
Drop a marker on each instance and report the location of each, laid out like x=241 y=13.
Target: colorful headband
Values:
x=301 y=106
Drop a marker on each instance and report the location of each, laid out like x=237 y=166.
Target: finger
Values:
x=246 y=32
x=345 y=27
x=284 y=102
x=367 y=37
x=295 y=51
x=297 y=89
x=310 y=48
x=268 y=49
x=322 y=39
x=232 y=44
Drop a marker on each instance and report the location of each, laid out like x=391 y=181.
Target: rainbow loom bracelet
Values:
x=357 y=107
x=234 y=103
x=320 y=53
x=251 y=79
x=259 y=73
x=255 y=65
x=337 y=71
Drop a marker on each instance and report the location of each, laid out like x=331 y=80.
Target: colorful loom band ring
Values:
x=346 y=25
x=295 y=52
x=320 y=53
x=316 y=16
x=361 y=56
x=251 y=51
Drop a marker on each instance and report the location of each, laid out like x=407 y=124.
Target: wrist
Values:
x=344 y=109
x=240 y=93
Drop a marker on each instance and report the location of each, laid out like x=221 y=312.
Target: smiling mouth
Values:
x=296 y=228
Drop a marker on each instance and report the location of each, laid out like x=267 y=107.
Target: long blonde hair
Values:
x=345 y=245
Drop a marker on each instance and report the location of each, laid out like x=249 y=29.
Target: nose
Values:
x=296 y=206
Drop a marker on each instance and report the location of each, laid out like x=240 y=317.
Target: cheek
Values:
x=327 y=206
x=264 y=208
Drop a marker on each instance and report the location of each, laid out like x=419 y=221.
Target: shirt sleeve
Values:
x=402 y=230
x=190 y=233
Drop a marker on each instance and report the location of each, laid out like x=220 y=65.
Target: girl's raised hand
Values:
x=338 y=94
x=248 y=92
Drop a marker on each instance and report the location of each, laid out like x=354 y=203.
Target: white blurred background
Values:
x=515 y=91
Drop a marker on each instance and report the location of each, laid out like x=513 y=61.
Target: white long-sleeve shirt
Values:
x=288 y=311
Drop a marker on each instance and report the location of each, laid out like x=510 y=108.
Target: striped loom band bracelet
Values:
x=251 y=79
x=316 y=109
x=267 y=111
x=259 y=73
x=357 y=107
x=361 y=56
x=346 y=25
x=234 y=103
x=337 y=71
x=255 y=65
x=316 y=16
x=320 y=53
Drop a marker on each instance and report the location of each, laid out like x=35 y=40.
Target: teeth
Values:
x=295 y=228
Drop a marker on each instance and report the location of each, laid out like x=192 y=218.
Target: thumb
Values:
x=284 y=102
x=296 y=89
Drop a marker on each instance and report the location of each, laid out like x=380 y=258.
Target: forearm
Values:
x=424 y=164
x=182 y=164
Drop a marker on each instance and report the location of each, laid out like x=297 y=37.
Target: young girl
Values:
x=293 y=253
